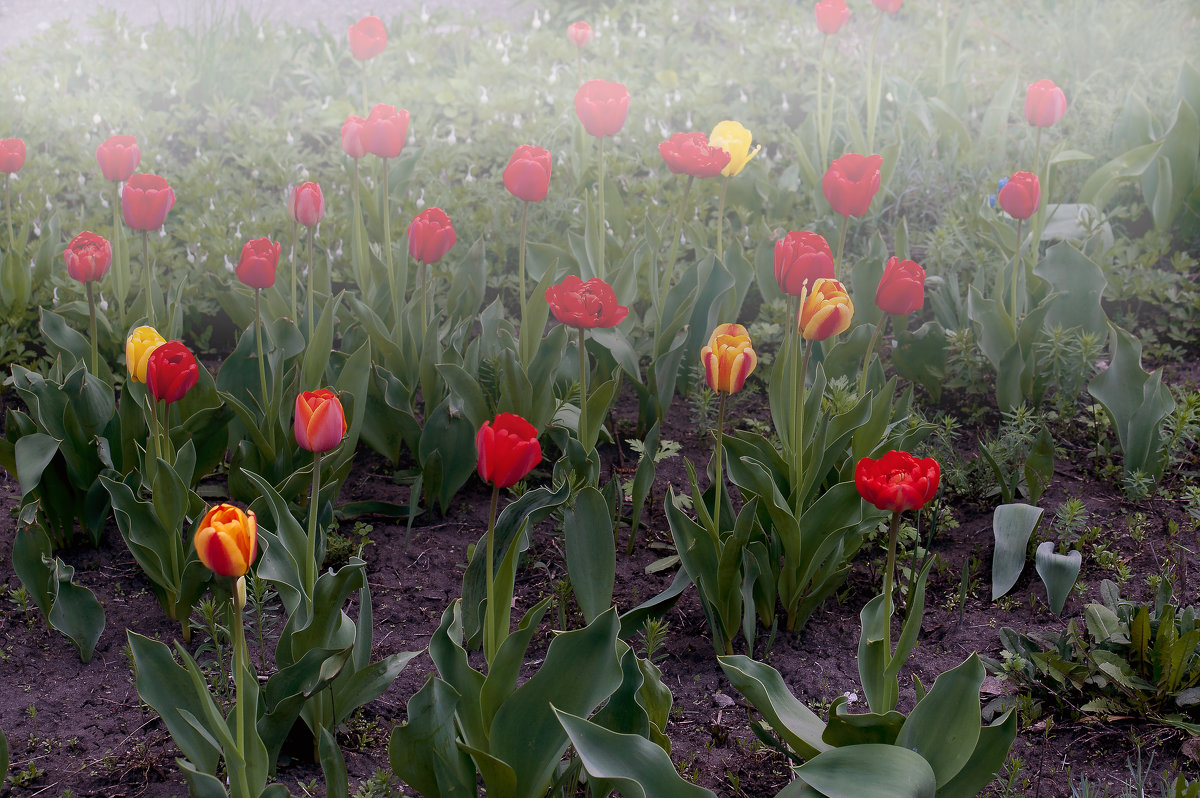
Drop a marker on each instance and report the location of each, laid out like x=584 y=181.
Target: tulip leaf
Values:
x=33 y=454
x=3 y=754
x=632 y=764
x=1012 y=524
x=533 y=323
x=763 y=687
x=1058 y=573
x=986 y=760
x=316 y=357
x=333 y=766
x=169 y=689
x=1078 y=284
x=881 y=771
x=944 y=725
x=422 y=750
x=590 y=552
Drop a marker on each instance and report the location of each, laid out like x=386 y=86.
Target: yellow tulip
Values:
x=734 y=139
x=825 y=311
x=140 y=344
x=728 y=359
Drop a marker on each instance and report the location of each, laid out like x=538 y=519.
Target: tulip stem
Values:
x=521 y=256
x=12 y=240
x=583 y=370
x=154 y=435
x=837 y=264
x=669 y=274
x=239 y=666
x=893 y=533
x=798 y=432
x=718 y=477
x=491 y=642
x=862 y=375
x=1037 y=155
x=721 y=219
x=121 y=267
x=146 y=287
x=1016 y=266
x=295 y=246
x=387 y=246
x=822 y=137
x=602 y=266
x=874 y=84
x=167 y=452
x=91 y=295
x=258 y=336
x=310 y=561
x=362 y=264
x=311 y=265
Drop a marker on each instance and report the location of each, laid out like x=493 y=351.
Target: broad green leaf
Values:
x=987 y=758
x=333 y=767
x=33 y=453
x=763 y=687
x=944 y=726
x=1079 y=284
x=1058 y=572
x=590 y=552
x=422 y=750
x=880 y=771
x=1012 y=524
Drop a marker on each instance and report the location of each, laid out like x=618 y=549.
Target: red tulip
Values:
x=801 y=258
x=1020 y=196
x=897 y=481
x=889 y=6
x=118 y=157
x=430 y=235
x=227 y=540
x=320 y=421
x=307 y=204
x=352 y=136
x=902 y=288
x=602 y=107
x=580 y=33
x=368 y=37
x=527 y=176
x=851 y=182
x=691 y=154
x=88 y=257
x=12 y=155
x=256 y=266
x=585 y=305
x=145 y=200
x=171 y=372
x=831 y=16
x=507 y=449
x=385 y=130
x=1045 y=103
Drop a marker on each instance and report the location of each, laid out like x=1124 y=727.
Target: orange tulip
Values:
x=320 y=420
x=227 y=540
x=728 y=359
x=825 y=311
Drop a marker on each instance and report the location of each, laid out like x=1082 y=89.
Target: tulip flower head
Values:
x=88 y=257
x=897 y=481
x=1045 y=103
x=801 y=258
x=352 y=136
x=1020 y=195
x=256 y=267
x=118 y=157
x=888 y=6
x=602 y=107
x=527 y=176
x=850 y=183
x=728 y=358
x=227 y=540
x=507 y=450
x=693 y=154
x=902 y=287
x=735 y=139
x=585 y=305
x=825 y=310
x=430 y=236
x=12 y=155
x=140 y=344
x=320 y=422
x=368 y=37
x=832 y=15
x=171 y=372
x=580 y=33
x=306 y=204
x=145 y=200
x=385 y=131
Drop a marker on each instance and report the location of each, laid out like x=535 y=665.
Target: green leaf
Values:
x=422 y=750
x=846 y=729
x=987 y=758
x=333 y=767
x=316 y=357
x=590 y=552
x=1078 y=284
x=1058 y=573
x=633 y=764
x=763 y=687
x=33 y=453
x=76 y=612
x=1012 y=524
x=367 y=684
x=880 y=771
x=3 y=755
x=944 y=726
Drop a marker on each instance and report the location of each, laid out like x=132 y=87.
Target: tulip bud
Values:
x=527 y=176
x=850 y=183
x=352 y=142
x=320 y=422
x=693 y=154
x=171 y=372
x=734 y=139
x=507 y=450
x=580 y=33
x=385 y=131
x=430 y=236
x=307 y=204
x=140 y=344
x=118 y=157
x=801 y=258
x=256 y=267
x=728 y=359
x=145 y=200
x=12 y=155
x=602 y=107
x=902 y=287
x=831 y=16
x=368 y=37
x=1020 y=195
x=825 y=311
x=1045 y=103
x=227 y=541
x=88 y=257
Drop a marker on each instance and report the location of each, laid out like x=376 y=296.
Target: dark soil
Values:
x=83 y=728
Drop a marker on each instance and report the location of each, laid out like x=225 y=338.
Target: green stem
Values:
x=311 y=269
x=721 y=219
x=295 y=246
x=718 y=477
x=310 y=561
x=366 y=104
x=862 y=375
x=603 y=265
x=424 y=298
x=582 y=388
x=168 y=452
x=362 y=263
x=669 y=274
x=873 y=83
x=12 y=239
x=893 y=533
x=1037 y=154
x=121 y=267
x=490 y=644
x=91 y=295
x=798 y=433
x=258 y=336
x=1016 y=266
x=387 y=245
x=822 y=142
x=146 y=288
x=837 y=264
x=521 y=256
x=239 y=667
x=154 y=435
